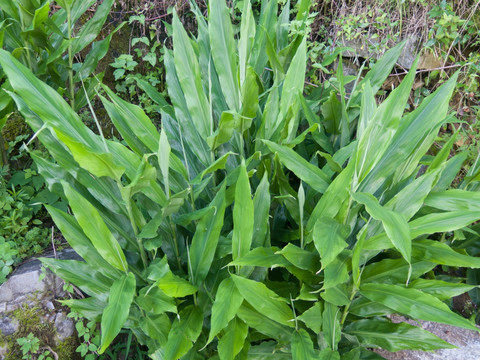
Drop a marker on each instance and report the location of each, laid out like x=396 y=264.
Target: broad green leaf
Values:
x=307 y=172
x=337 y=271
x=156 y=327
x=332 y=114
x=261 y=207
x=196 y=148
x=170 y=284
x=442 y=222
x=440 y=289
x=84 y=276
x=94 y=227
x=262 y=256
x=313 y=317
x=268 y=350
x=242 y=215
x=152 y=93
x=229 y=122
x=227 y=302
x=163 y=156
x=337 y=193
x=231 y=343
x=443 y=254
x=188 y=72
x=394 y=337
x=329 y=238
x=175 y=286
x=363 y=307
x=153 y=300
x=141 y=135
x=382 y=127
x=250 y=94
x=395 y=224
x=414 y=133
x=454 y=200
x=262 y=323
x=92 y=28
x=414 y=303
x=116 y=312
x=301 y=258
x=205 y=240
x=90 y=308
x=393 y=271
x=337 y=295
x=99 y=164
x=329 y=354
x=217 y=165
x=77 y=239
x=331 y=325
x=264 y=300
x=47 y=104
x=185 y=330
x=292 y=88
x=302 y=346
x=247 y=36
x=223 y=48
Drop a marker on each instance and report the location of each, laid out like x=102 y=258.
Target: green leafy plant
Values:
x=257 y=223
x=48 y=45
x=30 y=347
x=130 y=70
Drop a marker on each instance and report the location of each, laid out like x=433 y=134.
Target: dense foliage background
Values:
x=246 y=179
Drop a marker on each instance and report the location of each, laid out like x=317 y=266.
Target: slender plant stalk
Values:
x=70 y=58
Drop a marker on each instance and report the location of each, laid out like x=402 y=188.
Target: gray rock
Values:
x=26 y=288
x=64 y=327
x=467 y=341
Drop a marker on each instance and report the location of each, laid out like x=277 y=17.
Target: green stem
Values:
x=70 y=58
x=347 y=307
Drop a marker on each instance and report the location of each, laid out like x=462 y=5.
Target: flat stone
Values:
x=467 y=341
x=64 y=326
x=26 y=288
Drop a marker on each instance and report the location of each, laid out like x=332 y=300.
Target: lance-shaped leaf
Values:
x=205 y=240
x=331 y=325
x=233 y=340
x=116 y=312
x=261 y=206
x=163 y=155
x=329 y=238
x=242 y=215
x=302 y=346
x=92 y=28
x=443 y=254
x=227 y=302
x=264 y=300
x=94 y=227
x=307 y=172
x=441 y=289
x=414 y=303
x=223 y=48
x=313 y=317
x=262 y=323
x=184 y=331
x=188 y=72
x=247 y=36
x=99 y=164
x=394 y=337
x=454 y=200
x=395 y=224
